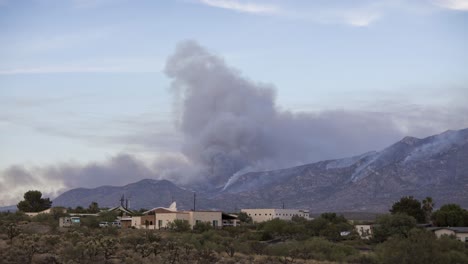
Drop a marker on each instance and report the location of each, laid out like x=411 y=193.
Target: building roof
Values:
x=120 y=208
x=161 y=210
x=460 y=229
x=228 y=216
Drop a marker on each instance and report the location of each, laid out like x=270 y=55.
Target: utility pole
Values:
x=194 y=200
x=122 y=199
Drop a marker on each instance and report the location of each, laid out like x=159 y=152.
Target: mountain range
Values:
x=435 y=166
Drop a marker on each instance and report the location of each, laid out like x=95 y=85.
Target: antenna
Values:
x=122 y=199
x=194 y=200
x=283 y=204
x=126 y=203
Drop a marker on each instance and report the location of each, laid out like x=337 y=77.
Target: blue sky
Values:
x=82 y=81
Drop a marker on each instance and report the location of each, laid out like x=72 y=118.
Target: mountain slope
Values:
x=435 y=166
x=143 y=194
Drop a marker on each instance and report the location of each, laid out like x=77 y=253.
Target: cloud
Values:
x=86 y=4
x=98 y=65
x=62 y=69
x=116 y=171
x=357 y=17
x=16 y=180
x=230 y=123
x=227 y=124
x=238 y=6
x=461 y=5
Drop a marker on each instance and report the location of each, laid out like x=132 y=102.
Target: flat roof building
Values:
x=262 y=215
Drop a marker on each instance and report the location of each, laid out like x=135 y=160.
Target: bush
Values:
x=392 y=225
x=201 y=227
x=421 y=246
x=179 y=225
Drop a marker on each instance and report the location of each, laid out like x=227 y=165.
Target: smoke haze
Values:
x=230 y=125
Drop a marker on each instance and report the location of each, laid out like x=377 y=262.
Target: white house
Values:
x=160 y=217
x=261 y=215
x=461 y=233
x=364 y=231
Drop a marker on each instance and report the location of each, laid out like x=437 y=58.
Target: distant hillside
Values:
x=143 y=194
x=435 y=166
x=11 y=208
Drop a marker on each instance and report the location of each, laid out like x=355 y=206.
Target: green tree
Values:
x=393 y=225
x=179 y=225
x=33 y=202
x=93 y=208
x=450 y=215
x=428 y=206
x=244 y=218
x=202 y=227
x=12 y=231
x=410 y=206
x=421 y=246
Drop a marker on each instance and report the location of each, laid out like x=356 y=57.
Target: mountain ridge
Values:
x=434 y=166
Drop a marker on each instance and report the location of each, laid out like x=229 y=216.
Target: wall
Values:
x=364 y=231
x=261 y=215
x=167 y=218
x=205 y=216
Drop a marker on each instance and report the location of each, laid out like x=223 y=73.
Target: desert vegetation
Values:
x=329 y=238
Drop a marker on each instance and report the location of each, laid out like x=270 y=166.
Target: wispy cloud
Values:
x=57 y=69
x=357 y=17
x=243 y=7
x=92 y=3
x=353 y=17
x=461 y=5
x=101 y=65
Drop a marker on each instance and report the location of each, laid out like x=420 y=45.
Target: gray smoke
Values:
x=232 y=124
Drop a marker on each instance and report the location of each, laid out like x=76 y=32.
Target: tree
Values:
x=201 y=227
x=428 y=206
x=393 y=225
x=421 y=246
x=450 y=215
x=33 y=202
x=244 y=218
x=179 y=225
x=12 y=231
x=93 y=208
x=410 y=206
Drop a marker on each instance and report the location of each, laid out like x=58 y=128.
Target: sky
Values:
x=104 y=92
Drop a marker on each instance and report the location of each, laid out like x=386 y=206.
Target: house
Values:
x=262 y=215
x=461 y=233
x=47 y=211
x=161 y=217
x=69 y=221
x=121 y=210
x=230 y=220
x=364 y=230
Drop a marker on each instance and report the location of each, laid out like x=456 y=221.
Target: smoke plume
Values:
x=231 y=124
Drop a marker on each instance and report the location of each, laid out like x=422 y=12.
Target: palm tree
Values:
x=428 y=206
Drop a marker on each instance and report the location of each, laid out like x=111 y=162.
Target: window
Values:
x=215 y=223
x=151 y=222
x=159 y=223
